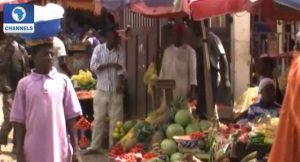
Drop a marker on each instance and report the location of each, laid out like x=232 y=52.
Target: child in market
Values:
x=267 y=106
x=44 y=112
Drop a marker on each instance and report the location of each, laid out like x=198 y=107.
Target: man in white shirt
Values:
x=179 y=64
x=60 y=56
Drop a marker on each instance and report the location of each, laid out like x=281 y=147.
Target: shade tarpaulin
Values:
x=294 y=4
x=163 y=11
x=2 y=2
x=198 y=9
x=270 y=9
x=201 y=9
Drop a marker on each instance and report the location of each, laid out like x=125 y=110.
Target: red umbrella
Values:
x=201 y=9
x=2 y=2
x=198 y=9
x=161 y=11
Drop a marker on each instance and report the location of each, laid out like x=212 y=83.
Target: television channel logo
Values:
x=18 y=18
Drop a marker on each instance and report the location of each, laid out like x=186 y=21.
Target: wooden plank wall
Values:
x=141 y=48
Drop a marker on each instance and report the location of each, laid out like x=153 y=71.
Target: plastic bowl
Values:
x=186 y=141
x=44 y=29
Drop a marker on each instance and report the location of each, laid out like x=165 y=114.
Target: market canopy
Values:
x=197 y=9
x=201 y=9
x=2 y=2
x=274 y=9
x=294 y=4
x=163 y=11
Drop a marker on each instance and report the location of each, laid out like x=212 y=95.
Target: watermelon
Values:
x=183 y=117
x=192 y=127
x=128 y=125
x=140 y=124
x=174 y=130
x=168 y=146
x=155 y=160
x=176 y=157
x=204 y=125
x=201 y=144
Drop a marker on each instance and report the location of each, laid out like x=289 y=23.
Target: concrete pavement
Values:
x=6 y=156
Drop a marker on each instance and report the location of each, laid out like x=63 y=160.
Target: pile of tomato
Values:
x=83 y=142
x=197 y=135
x=82 y=123
x=136 y=154
x=116 y=151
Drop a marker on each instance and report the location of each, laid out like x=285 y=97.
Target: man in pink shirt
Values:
x=44 y=112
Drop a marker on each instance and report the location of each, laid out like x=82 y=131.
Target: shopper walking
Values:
x=44 y=112
x=14 y=65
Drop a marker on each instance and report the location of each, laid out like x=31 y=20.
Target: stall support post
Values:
x=164 y=87
x=207 y=77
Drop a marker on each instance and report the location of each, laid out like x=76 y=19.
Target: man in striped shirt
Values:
x=108 y=63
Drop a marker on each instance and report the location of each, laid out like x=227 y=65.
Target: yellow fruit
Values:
x=117 y=129
x=119 y=124
x=116 y=135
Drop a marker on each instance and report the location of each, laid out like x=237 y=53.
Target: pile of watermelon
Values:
x=155 y=135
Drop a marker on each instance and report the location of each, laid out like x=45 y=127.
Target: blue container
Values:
x=44 y=29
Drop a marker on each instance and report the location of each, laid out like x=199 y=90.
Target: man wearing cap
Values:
x=179 y=64
x=108 y=63
x=13 y=66
x=60 y=56
x=267 y=104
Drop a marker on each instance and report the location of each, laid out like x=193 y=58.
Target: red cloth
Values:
x=286 y=147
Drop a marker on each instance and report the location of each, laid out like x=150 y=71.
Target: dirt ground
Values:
x=6 y=156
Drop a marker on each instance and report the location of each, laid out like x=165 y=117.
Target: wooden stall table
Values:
x=164 y=87
x=86 y=101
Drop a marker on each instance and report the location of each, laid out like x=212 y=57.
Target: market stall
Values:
x=222 y=141
x=170 y=133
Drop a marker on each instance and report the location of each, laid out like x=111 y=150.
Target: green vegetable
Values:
x=249 y=157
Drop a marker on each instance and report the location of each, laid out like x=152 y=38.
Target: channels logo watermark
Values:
x=18 y=18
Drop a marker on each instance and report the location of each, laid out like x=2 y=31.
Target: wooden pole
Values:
x=64 y=23
x=207 y=76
